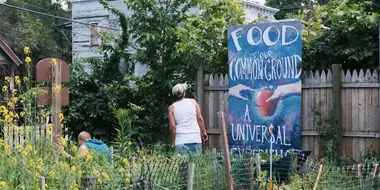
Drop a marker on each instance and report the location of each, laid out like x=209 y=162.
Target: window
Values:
x=94 y=29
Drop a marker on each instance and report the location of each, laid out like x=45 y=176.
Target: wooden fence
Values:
x=14 y=135
x=359 y=109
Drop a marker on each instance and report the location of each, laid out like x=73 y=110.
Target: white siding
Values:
x=91 y=11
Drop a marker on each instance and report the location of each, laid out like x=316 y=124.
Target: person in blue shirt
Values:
x=92 y=145
x=87 y=144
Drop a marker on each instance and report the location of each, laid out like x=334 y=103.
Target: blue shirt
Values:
x=98 y=146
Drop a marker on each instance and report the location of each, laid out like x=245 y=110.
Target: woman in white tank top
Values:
x=186 y=123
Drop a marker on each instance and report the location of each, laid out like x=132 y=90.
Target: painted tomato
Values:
x=266 y=108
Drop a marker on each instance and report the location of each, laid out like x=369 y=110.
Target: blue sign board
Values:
x=265 y=87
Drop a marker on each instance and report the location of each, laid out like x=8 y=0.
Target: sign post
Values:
x=56 y=71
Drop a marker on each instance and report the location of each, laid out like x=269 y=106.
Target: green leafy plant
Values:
x=327 y=129
x=127 y=131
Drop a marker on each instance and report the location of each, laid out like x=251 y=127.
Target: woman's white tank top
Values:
x=187 y=128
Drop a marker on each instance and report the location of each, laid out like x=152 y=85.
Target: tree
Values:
x=203 y=37
x=174 y=40
x=95 y=97
x=40 y=33
x=160 y=39
x=340 y=32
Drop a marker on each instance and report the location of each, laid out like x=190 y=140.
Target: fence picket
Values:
x=361 y=110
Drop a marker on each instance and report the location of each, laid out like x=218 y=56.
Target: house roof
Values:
x=256 y=4
x=8 y=51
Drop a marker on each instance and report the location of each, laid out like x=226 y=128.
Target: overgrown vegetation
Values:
x=167 y=37
x=340 y=32
x=48 y=37
x=327 y=129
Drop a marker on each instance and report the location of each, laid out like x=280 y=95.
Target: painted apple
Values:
x=266 y=108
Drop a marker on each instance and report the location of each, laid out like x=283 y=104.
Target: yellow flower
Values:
x=63 y=141
x=31 y=163
x=3 y=184
x=7 y=79
x=25 y=79
x=14 y=91
x=48 y=132
x=53 y=62
x=51 y=174
x=34 y=93
x=28 y=60
x=74 y=187
x=8 y=118
x=105 y=176
x=128 y=180
x=46 y=186
x=126 y=161
x=95 y=172
x=10 y=104
x=14 y=99
x=136 y=107
x=87 y=156
x=60 y=116
x=73 y=168
x=7 y=148
x=2 y=109
x=14 y=160
x=74 y=148
x=57 y=89
x=129 y=143
x=26 y=50
x=5 y=88
x=28 y=147
x=121 y=170
x=17 y=79
x=22 y=114
x=19 y=148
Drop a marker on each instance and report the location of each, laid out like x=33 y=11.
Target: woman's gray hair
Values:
x=179 y=90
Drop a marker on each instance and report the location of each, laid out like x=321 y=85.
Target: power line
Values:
x=53 y=16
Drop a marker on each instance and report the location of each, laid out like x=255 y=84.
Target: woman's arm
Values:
x=200 y=121
x=171 y=123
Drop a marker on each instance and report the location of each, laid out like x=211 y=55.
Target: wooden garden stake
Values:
x=56 y=104
x=41 y=183
x=318 y=177
x=190 y=175
x=227 y=160
x=111 y=155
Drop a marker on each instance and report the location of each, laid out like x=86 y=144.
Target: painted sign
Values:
x=265 y=86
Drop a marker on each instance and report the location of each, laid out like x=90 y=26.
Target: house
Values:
x=8 y=62
x=255 y=10
x=85 y=37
